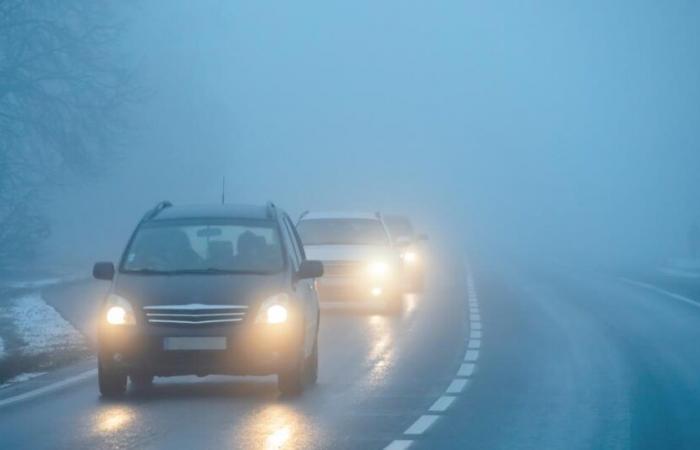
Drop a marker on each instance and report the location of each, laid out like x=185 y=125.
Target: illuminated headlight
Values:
x=410 y=257
x=378 y=269
x=119 y=311
x=274 y=310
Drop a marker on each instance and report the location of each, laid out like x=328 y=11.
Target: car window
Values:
x=342 y=232
x=201 y=245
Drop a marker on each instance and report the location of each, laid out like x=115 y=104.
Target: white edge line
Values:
x=50 y=388
x=651 y=287
x=422 y=424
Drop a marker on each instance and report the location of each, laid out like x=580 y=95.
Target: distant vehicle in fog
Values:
x=210 y=290
x=360 y=259
x=412 y=248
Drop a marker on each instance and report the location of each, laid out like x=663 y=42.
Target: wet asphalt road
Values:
x=565 y=359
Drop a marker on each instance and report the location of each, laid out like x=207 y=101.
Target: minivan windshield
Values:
x=342 y=232
x=205 y=246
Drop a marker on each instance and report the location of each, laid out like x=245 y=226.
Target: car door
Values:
x=305 y=289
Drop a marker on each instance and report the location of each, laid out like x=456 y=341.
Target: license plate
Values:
x=194 y=343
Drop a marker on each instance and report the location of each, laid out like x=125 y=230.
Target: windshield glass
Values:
x=342 y=232
x=205 y=246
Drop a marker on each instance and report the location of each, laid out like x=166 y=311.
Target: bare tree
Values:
x=62 y=99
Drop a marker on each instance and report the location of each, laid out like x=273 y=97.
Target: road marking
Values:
x=475 y=325
x=49 y=388
x=475 y=334
x=476 y=317
x=422 y=424
x=442 y=403
x=399 y=445
x=457 y=386
x=651 y=287
x=471 y=355
x=474 y=343
x=466 y=370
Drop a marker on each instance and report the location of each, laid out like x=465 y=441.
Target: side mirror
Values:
x=422 y=237
x=103 y=271
x=310 y=269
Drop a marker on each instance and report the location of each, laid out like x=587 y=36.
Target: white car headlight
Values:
x=378 y=269
x=274 y=310
x=410 y=257
x=119 y=311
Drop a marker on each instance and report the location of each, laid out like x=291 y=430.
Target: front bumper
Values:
x=252 y=349
x=351 y=289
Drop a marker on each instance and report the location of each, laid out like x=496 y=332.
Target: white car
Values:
x=361 y=262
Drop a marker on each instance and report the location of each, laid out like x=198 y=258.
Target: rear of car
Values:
x=360 y=261
x=224 y=290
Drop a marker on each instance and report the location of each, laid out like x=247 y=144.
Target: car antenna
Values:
x=223 y=190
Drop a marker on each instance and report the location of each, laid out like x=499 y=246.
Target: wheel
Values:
x=111 y=381
x=141 y=380
x=312 y=365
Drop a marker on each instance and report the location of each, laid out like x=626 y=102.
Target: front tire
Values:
x=112 y=382
x=290 y=381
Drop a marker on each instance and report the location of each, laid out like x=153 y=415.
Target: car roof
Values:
x=340 y=215
x=213 y=211
x=396 y=218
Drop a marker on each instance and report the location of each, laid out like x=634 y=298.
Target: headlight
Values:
x=274 y=310
x=410 y=257
x=378 y=269
x=119 y=311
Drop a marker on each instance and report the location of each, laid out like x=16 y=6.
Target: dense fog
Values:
x=549 y=129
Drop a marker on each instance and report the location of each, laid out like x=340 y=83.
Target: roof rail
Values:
x=271 y=210
x=152 y=213
x=378 y=214
x=302 y=215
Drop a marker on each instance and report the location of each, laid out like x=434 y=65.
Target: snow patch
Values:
x=41 y=328
x=21 y=377
x=43 y=282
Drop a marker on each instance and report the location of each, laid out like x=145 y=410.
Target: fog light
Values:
x=376 y=292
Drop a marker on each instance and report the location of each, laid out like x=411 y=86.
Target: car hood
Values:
x=349 y=252
x=152 y=290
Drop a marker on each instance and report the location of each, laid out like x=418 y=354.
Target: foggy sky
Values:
x=563 y=128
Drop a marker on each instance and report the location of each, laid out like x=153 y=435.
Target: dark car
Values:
x=412 y=249
x=210 y=290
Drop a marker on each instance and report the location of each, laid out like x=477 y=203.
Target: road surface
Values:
x=513 y=357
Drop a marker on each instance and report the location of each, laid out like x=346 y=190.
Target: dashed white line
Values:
x=399 y=444
x=476 y=317
x=475 y=334
x=475 y=325
x=471 y=355
x=442 y=403
x=466 y=370
x=474 y=343
x=457 y=386
x=422 y=424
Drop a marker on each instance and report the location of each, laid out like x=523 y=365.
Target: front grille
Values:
x=194 y=314
x=342 y=268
